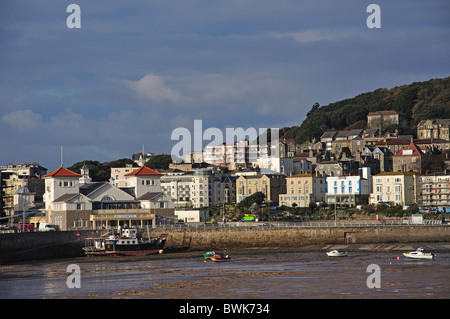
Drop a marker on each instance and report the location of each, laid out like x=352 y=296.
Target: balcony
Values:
x=136 y=213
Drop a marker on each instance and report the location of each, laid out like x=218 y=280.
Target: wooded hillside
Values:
x=419 y=101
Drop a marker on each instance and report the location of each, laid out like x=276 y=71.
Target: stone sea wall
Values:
x=33 y=246
x=294 y=237
x=16 y=247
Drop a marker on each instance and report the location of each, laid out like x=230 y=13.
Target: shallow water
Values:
x=280 y=275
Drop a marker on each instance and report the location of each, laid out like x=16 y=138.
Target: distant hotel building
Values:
x=303 y=190
x=434 y=190
x=351 y=190
x=394 y=188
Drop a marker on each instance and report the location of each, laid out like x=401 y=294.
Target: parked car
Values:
x=25 y=228
x=266 y=225
x=47 y=227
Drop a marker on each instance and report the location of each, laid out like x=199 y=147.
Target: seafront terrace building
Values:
x=394 y=188
x=92 y=205
x=199 y=188
x=240 y=154
x=351 y=190
x=15 y=176
x=303 y=190
x=271 y=185
x=434 y=190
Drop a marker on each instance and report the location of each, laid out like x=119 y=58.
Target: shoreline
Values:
x=212 y=278
x=53 y=245
x=198 y=253
x=248 y=251
x=184 y=274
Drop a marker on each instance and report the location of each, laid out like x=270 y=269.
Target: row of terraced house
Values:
x=345 y=167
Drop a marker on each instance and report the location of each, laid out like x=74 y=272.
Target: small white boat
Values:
x=335 y=253
x=419 y=254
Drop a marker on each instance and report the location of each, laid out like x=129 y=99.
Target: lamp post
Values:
x=335 y=213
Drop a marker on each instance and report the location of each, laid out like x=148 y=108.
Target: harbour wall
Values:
x=44 y=245
x=301 y=236
x=16 y=247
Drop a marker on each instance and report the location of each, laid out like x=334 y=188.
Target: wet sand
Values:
x=288 y=273
x=281 y=278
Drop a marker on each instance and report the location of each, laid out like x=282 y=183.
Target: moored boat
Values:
x=126 y=244
x=209 y=254
x=220 y=257
x=419 y=254
x=335 y=253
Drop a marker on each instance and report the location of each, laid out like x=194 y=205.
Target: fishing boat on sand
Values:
x=128 y=243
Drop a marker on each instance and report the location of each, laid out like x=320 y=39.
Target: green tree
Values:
x=314 y=108
x=159 y=161
x=97 y=171
x=422 y=100
x=257 y=198
x=100 y=172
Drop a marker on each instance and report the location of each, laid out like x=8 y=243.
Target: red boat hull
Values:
x=133 y=252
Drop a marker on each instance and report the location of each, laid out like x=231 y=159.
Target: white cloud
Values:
x=154 y=88
x=23 y=119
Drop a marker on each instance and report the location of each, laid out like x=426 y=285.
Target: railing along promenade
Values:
x=304 y=224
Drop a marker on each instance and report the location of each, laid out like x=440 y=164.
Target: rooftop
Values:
x=144 y=171
x=410 y=150
x=62 y=172
x=301 y=175
x=395 y=173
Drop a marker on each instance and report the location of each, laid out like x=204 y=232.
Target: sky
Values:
x=135 y=71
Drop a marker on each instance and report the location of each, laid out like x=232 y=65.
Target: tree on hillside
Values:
x=100 y=172
x=314 y=108
x=121 y=163
x=257 y=198
x=419 y=101
x=97 y=171
x=159 y=161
